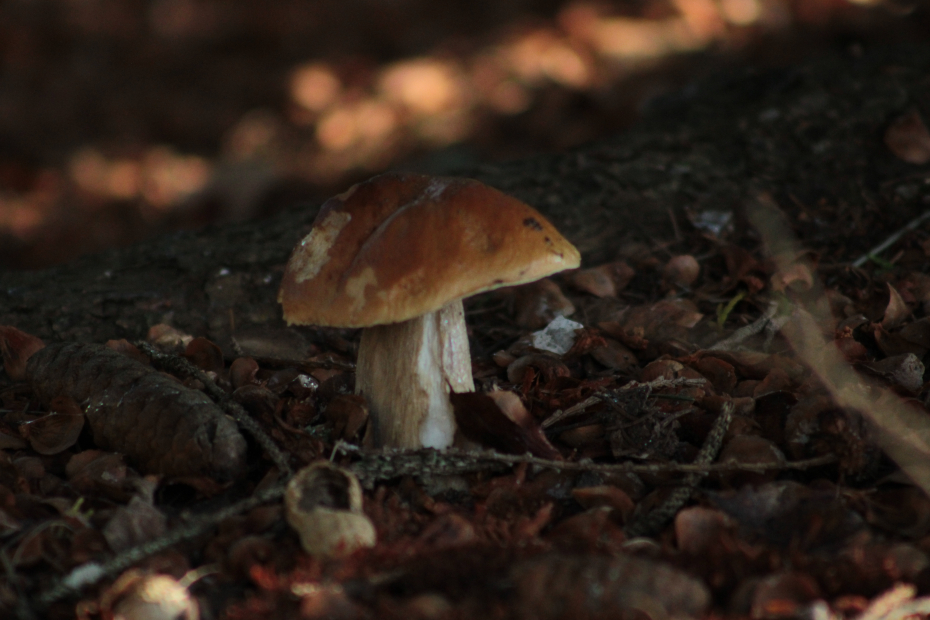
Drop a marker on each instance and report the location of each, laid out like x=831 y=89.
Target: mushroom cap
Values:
x=400 y=245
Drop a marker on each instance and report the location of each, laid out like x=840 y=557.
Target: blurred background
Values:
x=122 y=119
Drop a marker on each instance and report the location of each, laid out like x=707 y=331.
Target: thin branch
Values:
x=892 y=239
x=91 y=572
x=578 y=408
x=387 y=463
x=656 y=520
x=768 y=322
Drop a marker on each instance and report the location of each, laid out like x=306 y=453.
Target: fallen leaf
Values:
x=907 y=137
x=204 y=355
x=55 y=432
x=133 y=524
x=896 y=310
x=348 y=414
x=510 y=428
x=536 y=304
x=602 y=281
x=905 y=370
x=681 y=271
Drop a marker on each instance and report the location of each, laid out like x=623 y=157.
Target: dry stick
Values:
x=891 y=240
x=578 y=408
x=387 y=464
x=92 y=572
x=768 y=322
x=384 y=465
x=656 y=520
x=178 y=365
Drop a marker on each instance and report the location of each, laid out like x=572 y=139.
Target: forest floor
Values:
x=737 y=426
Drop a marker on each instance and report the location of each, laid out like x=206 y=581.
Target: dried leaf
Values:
x=740 y=263
x=17 y=347
x=55 y=432
x=659 y=321
x=538 y=303
x=894 y=343
x=896 y=311
x=9 y=441
x=785 y=594
x=242 y=371
x=204 y=355
x=904 y=510
x=681 y=271
x=103 y=473
x=786 y=511
x=605 y=495
x=907 y=137
x=905 y=370
x=127 y=348
x=480 y=418
x=699 y=529
x=549 y=365
x=849 y=347
x=720 y=373
x=614 y=355
x=553 y=585
x=592 y=531
x=133 y=524
x=348 y=414
x=795 y=276
x=168 y=338
x=604 y=280
x=917 y=332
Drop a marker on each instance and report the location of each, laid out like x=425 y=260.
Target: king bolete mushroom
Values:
x=395 y=255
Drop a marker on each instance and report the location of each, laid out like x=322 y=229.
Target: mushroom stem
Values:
x=406 y=371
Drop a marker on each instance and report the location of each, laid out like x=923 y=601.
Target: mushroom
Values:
x=395 y=255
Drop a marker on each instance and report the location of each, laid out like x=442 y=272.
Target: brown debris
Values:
x=908 y=138
x=162 y=426
x=602 y=281
x=554 y=586
x=57 y=431
x=535 y=305
x=499 y=419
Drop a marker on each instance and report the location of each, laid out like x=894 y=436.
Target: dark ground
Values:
x=806 y=136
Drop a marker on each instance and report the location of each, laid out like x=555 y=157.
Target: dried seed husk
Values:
x=323 y=503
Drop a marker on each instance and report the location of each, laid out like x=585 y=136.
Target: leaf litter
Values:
x=725 y=436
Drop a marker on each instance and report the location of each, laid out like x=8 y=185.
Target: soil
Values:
x=809 y=136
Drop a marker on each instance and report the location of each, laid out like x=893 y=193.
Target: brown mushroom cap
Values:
x=401 y=245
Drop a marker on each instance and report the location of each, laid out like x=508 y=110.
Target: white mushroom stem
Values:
x=406 y=371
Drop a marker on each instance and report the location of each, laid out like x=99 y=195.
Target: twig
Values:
x=373 y=467
x=578 y=408
x=892 y=239
x=655 y=520
x=179 y=365
x=92 y=572
x=387 y=464
x=768 y=322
